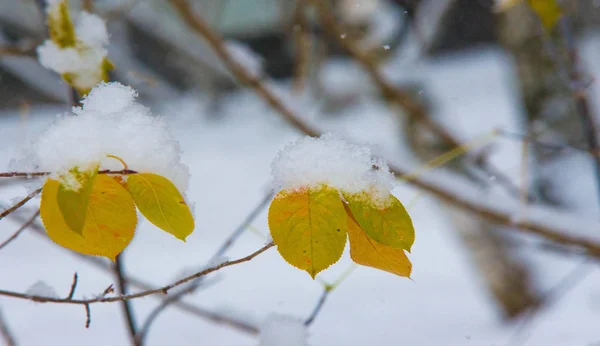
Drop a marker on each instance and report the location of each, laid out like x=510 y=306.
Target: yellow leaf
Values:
x=60 y=26
x=367 y=252
x=388 y=223
x=309 y=227
x=549 y=12
x=110 y=219
x=161 y=203
x=73 y=196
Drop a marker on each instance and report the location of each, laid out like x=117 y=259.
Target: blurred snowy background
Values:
x=477 y=72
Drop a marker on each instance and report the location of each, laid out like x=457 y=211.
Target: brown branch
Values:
x=197 y=23
x=25 y=49
x=20 y=230
x=398 y=96
x=238 y=70
x=163 y=290
x=73 y=287
x=388 y=90
x=302 y=45
x=318 y=307
x=20 y=203
x=5 y=333
x=88 y=315
x=36 y=192
x=183 y=306
x=125 y=304
x=43 y=174
x=143 y=332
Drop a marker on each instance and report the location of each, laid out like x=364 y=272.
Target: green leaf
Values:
x=73 y=196
x=161 y=203
x=387 y=222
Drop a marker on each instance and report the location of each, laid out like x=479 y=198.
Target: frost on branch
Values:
x=279 y=330
x=329 y=190
x=94 y=213
x=77 y=47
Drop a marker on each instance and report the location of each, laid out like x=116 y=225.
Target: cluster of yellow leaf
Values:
x=94 y=214
x=310 y=225
x=549 y=11
x=62 y=33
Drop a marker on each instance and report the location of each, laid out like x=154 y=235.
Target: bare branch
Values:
x=183 y=306
x=43 y=174
x=196 y=283
x=125 y=304
x=20 y=230
x=216 y=43
x=318 y=307
x=73 y=287
x=493 y=214
x=163 y=290
x=20 y=203
x=302 y=45
x=88 y=315
x=5 y=333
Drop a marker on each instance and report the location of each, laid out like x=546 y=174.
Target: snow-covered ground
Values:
x=229 y=154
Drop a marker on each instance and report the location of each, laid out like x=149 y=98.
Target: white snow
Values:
x=282 y=330
x=244 y=56
x=109 y=122
x=41 y=289
x=445 y=305
x=84 y=61
x=331 y=160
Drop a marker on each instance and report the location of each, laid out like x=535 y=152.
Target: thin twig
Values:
x=5 y=333
x=492 y=214
x=125 y=304
x=20 y=230
x=88 y=315
x=318 y=307
x=163 y=290
x=552 y=296
x=183 y=306
x=73 y=286
x=196 y=283
x=532 y=138
x=43 y=174
x=20 y=203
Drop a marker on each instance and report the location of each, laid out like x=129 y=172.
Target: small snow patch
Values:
x=245 y=57
x=282 y=330
x=41 y=289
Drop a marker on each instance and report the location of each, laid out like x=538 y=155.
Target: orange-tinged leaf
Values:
x=386 y=222
x=161 y=203
x=367 y=252
x=73 y=196
x=309 y=227
x=110 y=219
